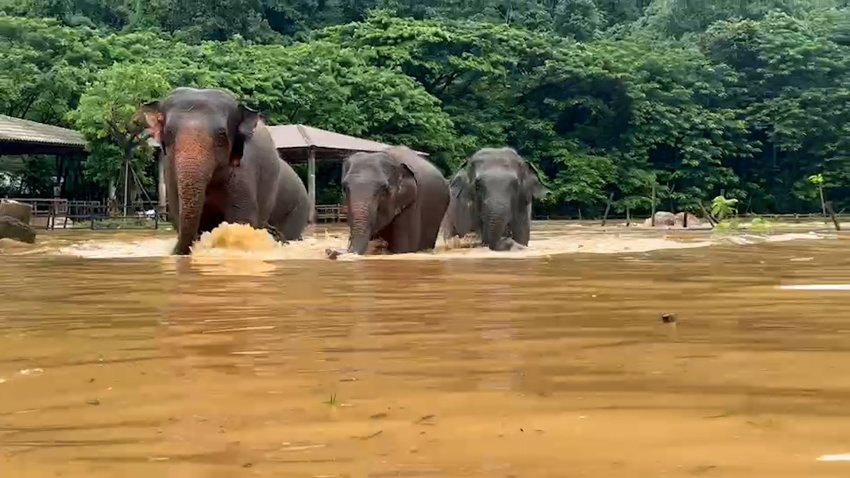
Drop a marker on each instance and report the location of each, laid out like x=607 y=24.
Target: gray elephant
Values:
x=491 y=196
x=396 y=196
x=221 y=165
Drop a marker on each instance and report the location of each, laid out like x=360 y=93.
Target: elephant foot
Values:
x=506 y=244
x=179 y=251
x=517 y=247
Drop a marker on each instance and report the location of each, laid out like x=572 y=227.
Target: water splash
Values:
x=236 y=241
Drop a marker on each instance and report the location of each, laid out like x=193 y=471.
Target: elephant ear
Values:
x=407 y=187
x=248 y=120
x=461 y=213
x=153 y=120
x=459 y=184
x=531 y=181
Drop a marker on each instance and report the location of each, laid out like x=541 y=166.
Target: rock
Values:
x=20 y=211
x=662 y=219
x=692 y=220
x=668 y=219
x=11 y=228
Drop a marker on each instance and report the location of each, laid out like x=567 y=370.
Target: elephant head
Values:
x=202 y=133
x=377 y=188
x=492 y=193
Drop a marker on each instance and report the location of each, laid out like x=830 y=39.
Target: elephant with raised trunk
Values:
x=394 y=195
x=491 y=196
x=221 y=165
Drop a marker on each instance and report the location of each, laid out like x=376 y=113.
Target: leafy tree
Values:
x=107 y=116
x=746 y=100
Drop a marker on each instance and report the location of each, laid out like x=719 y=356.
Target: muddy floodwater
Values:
x=251 y=359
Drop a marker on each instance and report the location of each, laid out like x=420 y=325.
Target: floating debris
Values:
x=668 y=318
x=370 y=436
x=425 y=418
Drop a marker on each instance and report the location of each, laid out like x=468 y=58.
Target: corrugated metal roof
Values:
x=293 y=136
x=17 y=130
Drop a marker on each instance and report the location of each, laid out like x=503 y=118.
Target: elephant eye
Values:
x=221 y=138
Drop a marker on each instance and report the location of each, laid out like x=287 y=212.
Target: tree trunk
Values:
x=607 y=209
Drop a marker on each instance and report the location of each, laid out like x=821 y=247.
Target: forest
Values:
x=608 y=98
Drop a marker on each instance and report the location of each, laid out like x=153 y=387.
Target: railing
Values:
x=65 y=214
x=331 y=213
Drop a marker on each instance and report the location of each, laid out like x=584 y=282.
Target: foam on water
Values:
x=236 y=241
x=94 y=249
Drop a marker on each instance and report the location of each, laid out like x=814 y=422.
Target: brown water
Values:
x=549 y=364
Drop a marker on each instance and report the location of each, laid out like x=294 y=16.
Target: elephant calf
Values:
x=491 y=196
x=221 y=165
x=396 y=196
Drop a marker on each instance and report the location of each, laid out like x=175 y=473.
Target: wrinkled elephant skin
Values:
x=491 y=196
x=222 y=166
x=394 y=196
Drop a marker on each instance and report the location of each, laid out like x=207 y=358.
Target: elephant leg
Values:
x=521 y=228
x=240 y=205
x=430 y=226
x=292 y=226
x=404 y=234
x=211 y=218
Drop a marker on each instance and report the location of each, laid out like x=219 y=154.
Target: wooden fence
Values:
x=331 y=213
x=67 y=214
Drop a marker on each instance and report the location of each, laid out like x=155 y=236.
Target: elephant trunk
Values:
x=193 y=175
x=361 y=220
x=494 y=221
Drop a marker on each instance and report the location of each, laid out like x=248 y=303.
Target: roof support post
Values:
x=311 y=181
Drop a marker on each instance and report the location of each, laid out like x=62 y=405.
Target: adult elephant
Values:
x=491 y=196
x=221 y=165
x=394 y=195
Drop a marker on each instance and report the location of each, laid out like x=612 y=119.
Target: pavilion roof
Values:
x=20 y=136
